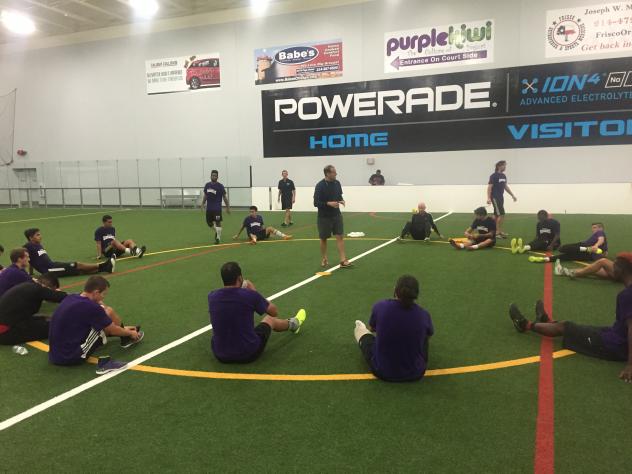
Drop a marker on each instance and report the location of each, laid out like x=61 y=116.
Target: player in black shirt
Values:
x=287 y=197
x=480 y=234
x=420 y=225
x=18 y=307
x=547 y=235
x=377 y=179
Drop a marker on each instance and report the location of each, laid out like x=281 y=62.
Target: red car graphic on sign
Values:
x=203 y=72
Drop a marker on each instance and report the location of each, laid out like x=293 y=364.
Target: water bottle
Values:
x=20 y=350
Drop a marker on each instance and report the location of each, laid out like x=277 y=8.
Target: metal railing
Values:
x=152 y=196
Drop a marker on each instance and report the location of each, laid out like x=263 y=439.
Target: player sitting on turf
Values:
x=19 y=321
x=481 y=234
x=81 y=324
x=593 y=248
x=39 y=259
x=255 y=229
x=15 y=273
x=420 y=225
x=547 y=236
x=108 y=246
x=399 y=350
x=602 y=268
x=232 y=308
x=610 y=343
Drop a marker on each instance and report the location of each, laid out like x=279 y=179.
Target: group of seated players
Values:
x=395 y=343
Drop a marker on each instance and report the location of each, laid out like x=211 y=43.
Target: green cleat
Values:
x=534 y=259
x=300 y=317
x=514 y=246
x=521 y=246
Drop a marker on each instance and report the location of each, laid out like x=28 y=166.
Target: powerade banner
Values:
x=322 y=60
x=551 y=105
x=469 y=42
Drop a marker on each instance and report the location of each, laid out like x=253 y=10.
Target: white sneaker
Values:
x=558 y=269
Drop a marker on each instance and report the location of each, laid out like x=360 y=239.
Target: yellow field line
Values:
x=201 y=374
x=62 y=217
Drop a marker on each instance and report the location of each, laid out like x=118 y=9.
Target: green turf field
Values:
x=325 y=414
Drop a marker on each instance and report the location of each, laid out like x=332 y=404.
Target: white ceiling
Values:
x=63 y=17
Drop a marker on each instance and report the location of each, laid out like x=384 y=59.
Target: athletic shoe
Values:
x=108 y=266
x=514 y=246
x=427 y=239
x=534 y=259
x=216 y=240
x=541 y=315
x=106 y=364
x=558 y=269
x=519 y=321
x=127 y=341
x=284 y=225
x=521 y=248
x=569 y=273
x=291 y=223
x=287 y=237
x=141 y=252
x=454 y=244
x=300 y=317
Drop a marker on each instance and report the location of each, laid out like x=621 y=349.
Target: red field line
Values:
x=544 y=462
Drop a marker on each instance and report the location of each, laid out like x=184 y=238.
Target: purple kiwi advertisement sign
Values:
x=321 y=60
x=470 y=42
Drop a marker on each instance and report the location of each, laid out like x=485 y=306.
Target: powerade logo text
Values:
x=454 y=36
x=348 y=140
x=296 y=55
x=571 y=129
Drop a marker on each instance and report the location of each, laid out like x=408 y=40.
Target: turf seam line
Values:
x=64 y=217
x=104 y=378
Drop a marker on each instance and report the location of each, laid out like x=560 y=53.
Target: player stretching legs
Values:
x=602 y=268
x=109 y=246
x=255 y=229
x=593 y=248
x=480 y=234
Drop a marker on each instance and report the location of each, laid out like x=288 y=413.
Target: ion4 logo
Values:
x=296 y=55
x=557 y=84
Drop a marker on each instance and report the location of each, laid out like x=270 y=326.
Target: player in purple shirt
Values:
x=82 y=323
x=256 y=230
x=399 y=350
x=232 y=308
x=480 y=234
x=496 y=187
x=214 y=193
x=40 y=261
x=108 y=246
x=15 y=273
x=610 y=343
x=591 y=249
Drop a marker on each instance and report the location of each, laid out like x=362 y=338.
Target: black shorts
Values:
x=479 y=240
x=587 y=340
x=262 y=330
x=542 y=244
x=110 y=252
x=499 y=206
x=328 y=226
x=61 y=269
x=213 y=216
x=261 y=235
x=286 y=202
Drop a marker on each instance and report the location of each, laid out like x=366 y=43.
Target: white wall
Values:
x=88 y=102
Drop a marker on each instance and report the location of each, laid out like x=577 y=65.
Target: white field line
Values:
x=9 y=422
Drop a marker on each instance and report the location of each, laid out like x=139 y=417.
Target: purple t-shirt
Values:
x=498 y=182
x=401 y=339
x=12 y=276
x=38 y=256
x=74 y=327
x=253 y=225
x=105 y=236
x=214 y=192
x=592 y=240
x=616 y=337
x=232 y=316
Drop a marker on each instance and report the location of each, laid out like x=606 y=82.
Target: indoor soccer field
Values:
x=487 y=404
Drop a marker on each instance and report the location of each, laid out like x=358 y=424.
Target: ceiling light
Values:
x=144 y=8
x=17 y=23
x=259 y=6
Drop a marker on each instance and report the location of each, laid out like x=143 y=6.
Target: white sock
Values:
x=474 y=247
x=462 y=246
x=584 y=249
x=293 y=324
x=526 y=247
x=218 y=232
x=278 y=233
x=360 y=330
x=547 y=259
x=128 y=251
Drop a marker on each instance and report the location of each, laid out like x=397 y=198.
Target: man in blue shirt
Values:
x=214 y=193
x=328 y=199
x=255 y=229
x=480 y=234
x=108 y=246
x=496 y=188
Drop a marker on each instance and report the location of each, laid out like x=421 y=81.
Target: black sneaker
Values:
x=541 y=315
x=127 y=341
x=519 y=321
x=141 y=252
x=283 y=224
x=107 y=266
x=216 y=240
x=106 y=364
x=291 y=223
